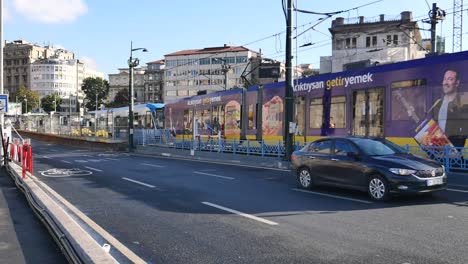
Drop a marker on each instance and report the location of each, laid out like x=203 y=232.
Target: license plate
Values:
x=436 y=181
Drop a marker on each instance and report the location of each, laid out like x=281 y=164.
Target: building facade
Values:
x=63 y=77
x=189 y=72
x=359 y=44
x=18 y=56
x=154 y=81
x=121 y=80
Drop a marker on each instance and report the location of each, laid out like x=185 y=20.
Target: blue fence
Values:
x=452 y=158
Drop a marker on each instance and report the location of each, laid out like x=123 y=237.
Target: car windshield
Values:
x=376 y=147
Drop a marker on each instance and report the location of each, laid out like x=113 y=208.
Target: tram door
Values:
x=368 y=112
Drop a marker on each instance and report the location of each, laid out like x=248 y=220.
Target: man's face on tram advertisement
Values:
x=450 y=83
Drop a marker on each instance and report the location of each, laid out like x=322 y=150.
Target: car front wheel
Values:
x=305 y=178
x=378 y=188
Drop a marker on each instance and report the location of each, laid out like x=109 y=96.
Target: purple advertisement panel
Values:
x=273 y=111
x=251 y=101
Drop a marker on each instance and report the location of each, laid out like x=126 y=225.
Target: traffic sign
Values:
x=3 y=103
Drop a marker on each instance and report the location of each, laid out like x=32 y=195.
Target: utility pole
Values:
x=433 y=27
x=435 y=14
x=95 y=115
x=288 y=140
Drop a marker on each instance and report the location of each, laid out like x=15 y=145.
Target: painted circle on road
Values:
x=57 y=173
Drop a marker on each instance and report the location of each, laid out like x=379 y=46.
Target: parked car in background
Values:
x=374 y=165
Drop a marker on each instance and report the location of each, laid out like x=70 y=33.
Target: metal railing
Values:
x=452 y=158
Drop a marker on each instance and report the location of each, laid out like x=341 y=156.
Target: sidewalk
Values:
x=23 y=238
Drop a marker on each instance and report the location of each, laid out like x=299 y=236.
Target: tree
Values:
x=92 y=87
x=51 y=102
x=121 y=99
x=27 y=97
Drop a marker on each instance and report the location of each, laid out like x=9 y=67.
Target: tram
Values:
x=423 y=101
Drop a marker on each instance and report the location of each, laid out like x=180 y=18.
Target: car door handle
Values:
x=335 y=159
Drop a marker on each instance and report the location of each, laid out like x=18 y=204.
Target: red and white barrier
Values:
x=22 y=153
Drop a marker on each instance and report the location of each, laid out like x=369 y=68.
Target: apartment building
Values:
x=18 y=56
x=154 y=81
x=211 y=69
x=121 y=80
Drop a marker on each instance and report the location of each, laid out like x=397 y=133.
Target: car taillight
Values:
x=293 y=157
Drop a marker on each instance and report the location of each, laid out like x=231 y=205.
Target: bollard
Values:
x=27 y=161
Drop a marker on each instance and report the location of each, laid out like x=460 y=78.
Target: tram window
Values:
x=198 y=119
x=251 y=116
x=188 y=119
x=316 y=113
x=338 y=112
x=300 y=116
x=206 y=120
x=408 y=103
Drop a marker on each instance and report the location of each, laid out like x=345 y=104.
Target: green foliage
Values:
x=121 y=99
x=27 y=95
x=92 y=87
x=49 y=102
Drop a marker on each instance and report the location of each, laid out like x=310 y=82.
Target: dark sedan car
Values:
x=374 y=165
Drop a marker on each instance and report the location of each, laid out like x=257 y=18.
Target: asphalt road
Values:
x=177 y=211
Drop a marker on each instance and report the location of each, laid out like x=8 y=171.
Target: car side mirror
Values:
x=353 y=155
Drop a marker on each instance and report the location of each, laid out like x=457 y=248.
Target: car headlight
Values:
x=401 y=171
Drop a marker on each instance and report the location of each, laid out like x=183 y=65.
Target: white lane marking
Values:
x=457 y=185
x=94 y=169
x=45 y=157
x=152 y=165
x=65 y=161
x=139 y=182
x=213 y=175
x=456 y=190
x=333 y=196
x=53 y=150
x=111 y=159
x=253 y=217
x=81 y=161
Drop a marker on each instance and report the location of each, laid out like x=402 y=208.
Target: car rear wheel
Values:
x=305 y=178
x=378 y=188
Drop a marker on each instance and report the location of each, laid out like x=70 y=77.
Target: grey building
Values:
x=154 y=81
x=362 y=43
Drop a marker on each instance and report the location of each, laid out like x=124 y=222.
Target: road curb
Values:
x=87 y=248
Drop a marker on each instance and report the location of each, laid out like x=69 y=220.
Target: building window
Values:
x=351 y=43
x=395 y=39
x=205 y=61
x=230 y=60
x=25 y=78
x=241 y=59
x=368 y=42
x=182 y=92
x=389 y=40
x=374 y=41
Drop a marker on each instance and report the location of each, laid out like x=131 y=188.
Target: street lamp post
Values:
x=95 y=115
x=132 y=62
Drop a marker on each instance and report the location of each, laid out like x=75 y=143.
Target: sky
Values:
x=100 y=32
